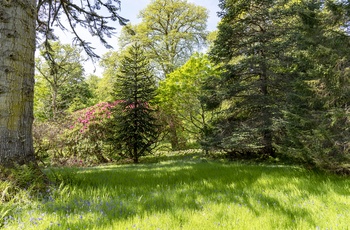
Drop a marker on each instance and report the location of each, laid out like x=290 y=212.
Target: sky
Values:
x=130 y=10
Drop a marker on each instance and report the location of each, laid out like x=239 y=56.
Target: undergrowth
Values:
x=18 y=185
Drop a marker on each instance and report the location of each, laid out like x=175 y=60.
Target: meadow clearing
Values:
x=186 y=192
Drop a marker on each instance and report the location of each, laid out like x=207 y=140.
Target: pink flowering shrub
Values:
x=88 y=118
x=88 y=130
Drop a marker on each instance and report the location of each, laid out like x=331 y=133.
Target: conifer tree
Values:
x=254 y=44
x=135 y=128
x=285 y=85
x=317 y=117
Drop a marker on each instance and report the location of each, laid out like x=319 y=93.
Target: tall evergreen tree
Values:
x=135 y=128
x=254 y=42
x=286 y=83
x=317 y=116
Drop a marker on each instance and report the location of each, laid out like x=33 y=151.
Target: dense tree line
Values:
x=273 y=85
x=184 y=27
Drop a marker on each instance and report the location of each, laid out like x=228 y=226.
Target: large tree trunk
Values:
x=17 y=47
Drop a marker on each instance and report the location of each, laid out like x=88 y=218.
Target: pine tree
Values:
x=135 y=128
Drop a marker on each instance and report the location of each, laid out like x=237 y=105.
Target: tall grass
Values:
x=191 y=194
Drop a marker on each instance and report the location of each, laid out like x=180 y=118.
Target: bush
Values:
x=88 y=132
x=79 y=140
x=48 y=141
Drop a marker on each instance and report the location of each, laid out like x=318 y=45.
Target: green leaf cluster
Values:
x=181 y=92
x=170 y=31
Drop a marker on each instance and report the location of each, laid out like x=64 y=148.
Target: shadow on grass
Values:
x=121 y=192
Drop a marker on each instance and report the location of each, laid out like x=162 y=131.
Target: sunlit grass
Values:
x=191 y=194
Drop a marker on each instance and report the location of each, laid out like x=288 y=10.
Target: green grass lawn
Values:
x=189 y=194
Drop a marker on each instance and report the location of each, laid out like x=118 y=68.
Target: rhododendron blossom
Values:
x=96 y=114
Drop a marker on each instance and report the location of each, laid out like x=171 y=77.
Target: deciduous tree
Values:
x=170 y=31
x=62 y=71
x=181 y=92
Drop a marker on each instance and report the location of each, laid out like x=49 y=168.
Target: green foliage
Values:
x=60 y=84
x=93 y=81
x=181 y=92
x=135 y=127
x=317 y=118
x=42 y=102
x=75 y=95
x=255 y=44
x=110 y=62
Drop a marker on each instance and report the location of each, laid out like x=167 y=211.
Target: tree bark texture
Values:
x=17 y=48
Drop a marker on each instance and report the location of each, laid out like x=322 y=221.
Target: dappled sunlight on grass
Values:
x=198 y=194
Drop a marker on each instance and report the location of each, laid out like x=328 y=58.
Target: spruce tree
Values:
x=285 y=85
x=317 y=117
x=135 y=128
x=254 y=44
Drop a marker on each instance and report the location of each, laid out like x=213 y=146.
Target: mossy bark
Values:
x=17 y=47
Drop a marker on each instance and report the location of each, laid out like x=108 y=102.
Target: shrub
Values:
x=78 y=140
x=87 y=133
x=48 y=141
